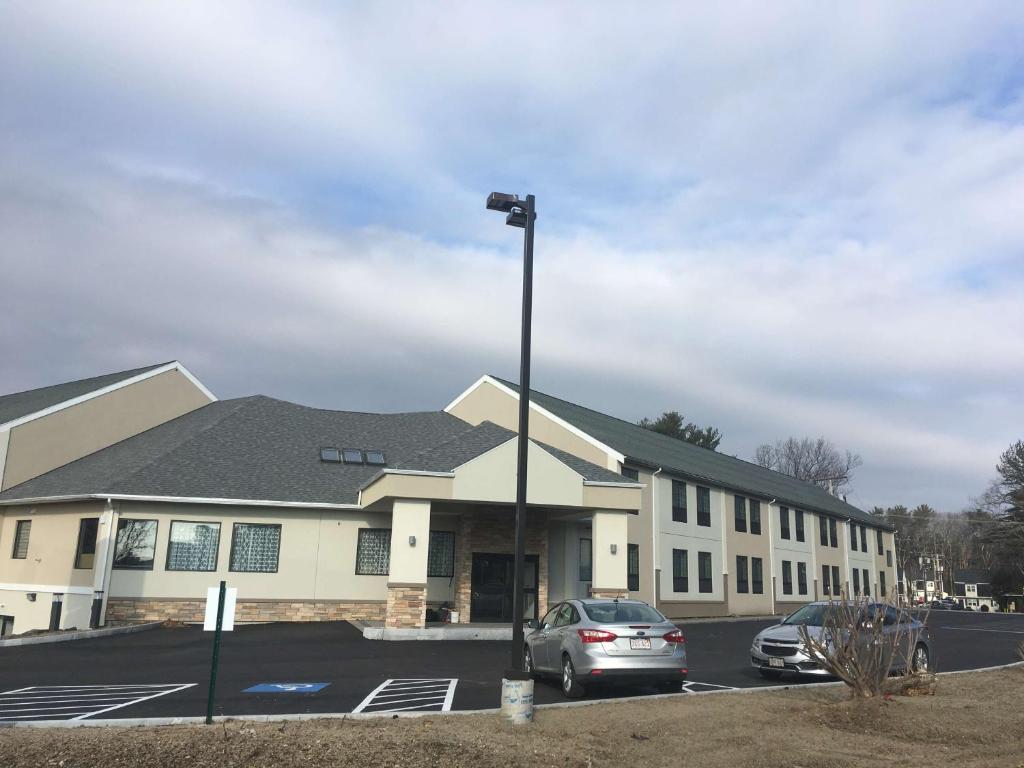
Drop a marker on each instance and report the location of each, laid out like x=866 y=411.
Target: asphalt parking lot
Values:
x=329 y=667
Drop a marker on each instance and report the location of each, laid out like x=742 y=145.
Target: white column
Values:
x=103 y=562
x=407 y=579
x=609 y=531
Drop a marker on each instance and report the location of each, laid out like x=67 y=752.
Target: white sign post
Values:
x=228 y=620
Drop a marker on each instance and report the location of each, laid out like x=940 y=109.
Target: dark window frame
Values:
x=853 y=536
x=787 y=577
x=630 y=473
x=833 y=533
x=377 y=452
x=680 y=576
x=345 y=458
x=679 y=512
x=863 y=538
x=78 y=546
x=823 y=530
x=632 y=578
x=755 y=516
x=705 y=584
x=21 y=526
x=865 y=578
x=837 y=582
x=784 y=531
x=231 y=553
x=450 y=536
x=359 y=545
x=757 y=575
x=798 y=524
x=742 y=575
x=740 y=516
x=330 y=455
x=888 y=558
x=826 y=581
x=117 y=533
x=216 y=549
x=590 y=564
x=856 y=582
x=703 y=506
x=801 y=577
x=882 y=585
x=881 y=544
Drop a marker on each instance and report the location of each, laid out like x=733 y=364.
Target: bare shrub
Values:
x=863 y=642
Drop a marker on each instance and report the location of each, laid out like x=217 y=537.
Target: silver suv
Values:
x=779 y=649
x=587 y=642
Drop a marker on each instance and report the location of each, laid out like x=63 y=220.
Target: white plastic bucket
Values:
x=517 y=701
x=453 y=617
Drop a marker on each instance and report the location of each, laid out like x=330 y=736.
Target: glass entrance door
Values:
x=491 y=587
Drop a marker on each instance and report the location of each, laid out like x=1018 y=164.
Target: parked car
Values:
x=591 y=642
x=779 y=648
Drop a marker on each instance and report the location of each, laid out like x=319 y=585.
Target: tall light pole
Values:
x=521 y=213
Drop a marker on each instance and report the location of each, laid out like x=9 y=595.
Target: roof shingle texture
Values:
x=19 y=404
x=259 y=448
x=687 y=460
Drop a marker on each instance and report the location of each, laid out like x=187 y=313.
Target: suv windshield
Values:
x=622 y=613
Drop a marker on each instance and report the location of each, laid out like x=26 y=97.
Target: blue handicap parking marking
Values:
x=286 y=688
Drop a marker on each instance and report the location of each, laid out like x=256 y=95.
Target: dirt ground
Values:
x=973 y=720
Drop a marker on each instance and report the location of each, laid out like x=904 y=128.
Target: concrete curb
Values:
x=85 y=634
x=138 y=722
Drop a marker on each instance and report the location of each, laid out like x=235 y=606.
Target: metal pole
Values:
x=517 y=657
x=216 y=653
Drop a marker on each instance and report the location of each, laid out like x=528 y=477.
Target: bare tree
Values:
x=817 y=461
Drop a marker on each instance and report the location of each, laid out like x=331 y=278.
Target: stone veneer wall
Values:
x=129 y=609
x=406 y=606
x=493 y=531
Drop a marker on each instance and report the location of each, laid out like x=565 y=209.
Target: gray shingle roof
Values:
x=258 y=448
x=19 y=404
x=649 y=448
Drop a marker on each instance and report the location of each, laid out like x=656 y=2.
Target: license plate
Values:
x=640 y=643
x=774 y=662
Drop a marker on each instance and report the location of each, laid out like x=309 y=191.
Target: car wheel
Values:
x=770 y=674
x=530 y=669
x=571 y=687
x=920 y=660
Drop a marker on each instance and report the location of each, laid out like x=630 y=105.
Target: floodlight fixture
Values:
x=499 y=201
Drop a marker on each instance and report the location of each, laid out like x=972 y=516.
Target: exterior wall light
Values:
x=615 y=548
x=412 y=541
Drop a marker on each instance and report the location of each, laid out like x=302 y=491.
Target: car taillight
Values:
x=596 y=636
x=675 y=636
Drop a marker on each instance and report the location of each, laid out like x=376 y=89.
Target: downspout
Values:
x=102 y=564
x=655 y=524
x=847 y=577
x=771 y=553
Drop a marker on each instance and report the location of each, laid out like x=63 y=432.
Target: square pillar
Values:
x=611 y=547
x=406 y=606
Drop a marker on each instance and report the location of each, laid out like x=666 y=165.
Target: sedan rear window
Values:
x=621 y=613
x=810 y=615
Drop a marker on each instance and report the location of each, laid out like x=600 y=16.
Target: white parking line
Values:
x=688 y=686
x=77 y=702
x=979 y=629
x=403 y=695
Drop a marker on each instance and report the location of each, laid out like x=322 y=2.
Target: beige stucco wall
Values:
x=641 y=531
x=888 y=544
x=492 y=477
x=610 y=529
x=51 y=549
x=747 y=545
x=829 y=555
x=51 y=441
x=410 y=522
x=794 y=552
x=488 y=403
x=397 y=486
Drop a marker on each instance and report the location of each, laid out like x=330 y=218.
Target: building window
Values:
x=856 y=583
x=888 y=558
x=586 y=560
x=826 y=584
x=866 y=582
x=632 y=567
x=798 y=518
x=376 y=458
x=352 y=456
x=833 y=533
x=193 y=546
x=787 y=577
x=255 y=547
x=822 y=530
x=85 y=552
x=853 y=537
x=703 y=506
x=704 y=571
x=330 y=455
x=878 y=540
x=755 y=516
x=373 y=552
x=863 y=539
x=678 y=501
x=742 y=586
x=801 y=578
x=22 y=531
x=784 y=522
x=135 y=545
x=630 y=473
x=441 y=554
x=740 y=504
x=680 y=571
x=882 y=591
x=757 y=575
x=837 y=585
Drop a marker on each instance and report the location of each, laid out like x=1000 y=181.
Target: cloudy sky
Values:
x=776 y=218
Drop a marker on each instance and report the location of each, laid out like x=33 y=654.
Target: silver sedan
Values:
x=587 y=642
x=780 y=649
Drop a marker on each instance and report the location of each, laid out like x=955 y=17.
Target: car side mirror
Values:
x=533 y=624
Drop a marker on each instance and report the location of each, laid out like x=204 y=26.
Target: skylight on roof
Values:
x=376 y=458
x=352 y=456
x=332 y=455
